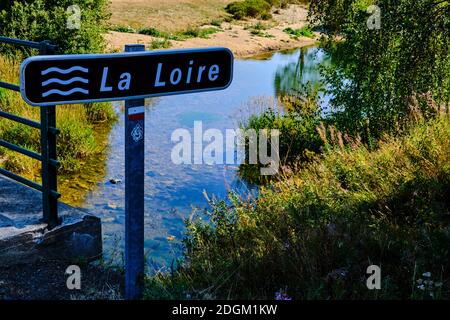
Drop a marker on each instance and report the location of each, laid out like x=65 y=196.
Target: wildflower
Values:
x=421 y=287
x=427 y=275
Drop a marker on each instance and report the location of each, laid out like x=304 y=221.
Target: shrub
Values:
x=39 y=20
x=296 y=116
x=153 y=32
x=315 y=233
x=249 y=8
x=302 y=32
x=124 y=29
x=160 y=44
x=216 y=23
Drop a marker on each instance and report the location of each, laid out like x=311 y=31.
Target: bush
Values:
x=302 y=32
x=249 y=8
x=296 y=115
x=153 y=32
x=160 y=44
x=124 y=29
x=314 y=234
x=299 y=139
x=39 y=20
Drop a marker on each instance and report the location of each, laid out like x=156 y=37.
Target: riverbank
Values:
x=245 y=38
x=313 y=234
x=81 y=144
x=47 y=280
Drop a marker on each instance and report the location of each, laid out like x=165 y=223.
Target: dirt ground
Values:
x=237 y=35
x=47 y=281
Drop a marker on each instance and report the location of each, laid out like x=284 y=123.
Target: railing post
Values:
x=48 y=145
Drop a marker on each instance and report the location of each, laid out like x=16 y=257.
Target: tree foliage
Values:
x=377 y=71
x=39 y=20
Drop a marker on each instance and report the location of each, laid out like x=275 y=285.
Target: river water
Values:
x=173 y=191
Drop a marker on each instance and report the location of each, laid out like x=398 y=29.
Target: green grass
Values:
x=250 y=9
x=258 y=28
x=77 y=124
x=260 y=9
x=124 y=29
x=153 y=32
x=189 y=33
x=314 y=233
x=302 y=32
x=160 y=44
x=198 y=33
x=216 y=23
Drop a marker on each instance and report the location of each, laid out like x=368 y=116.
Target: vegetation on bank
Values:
x=77 y=124
x=302 y=32
x=367 y=184
x=261 y=9
x=177 y=36
x=313 y=234
x=377 y=71
x=39 y=20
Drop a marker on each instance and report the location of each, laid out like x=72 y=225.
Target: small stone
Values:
x=112 y=206
x=115 y=181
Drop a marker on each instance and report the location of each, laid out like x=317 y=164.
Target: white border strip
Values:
x=135 y=110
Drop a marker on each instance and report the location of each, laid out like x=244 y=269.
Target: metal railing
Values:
x=48 y=156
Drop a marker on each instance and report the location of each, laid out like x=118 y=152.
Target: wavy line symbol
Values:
x=68 y=90
x=66 y=82
x=64 y=93
x=64 y=71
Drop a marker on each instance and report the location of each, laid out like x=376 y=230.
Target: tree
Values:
x=376 y=71
x=39 y=20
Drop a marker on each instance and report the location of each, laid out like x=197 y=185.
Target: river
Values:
x=173 y=191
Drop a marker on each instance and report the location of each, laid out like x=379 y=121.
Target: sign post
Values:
x=131 y=76
x=134 y=193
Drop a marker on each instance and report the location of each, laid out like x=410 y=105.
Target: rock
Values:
x=115 y=181
x=112 y=206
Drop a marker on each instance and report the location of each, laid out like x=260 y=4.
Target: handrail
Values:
x=48 y=129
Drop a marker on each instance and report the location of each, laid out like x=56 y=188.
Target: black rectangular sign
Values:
x=69 y=79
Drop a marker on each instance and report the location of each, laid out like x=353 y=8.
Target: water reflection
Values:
x=293 y=76
x=172 y=191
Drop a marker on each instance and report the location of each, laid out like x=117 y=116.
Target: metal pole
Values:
x=134 y=193
x=49 y=169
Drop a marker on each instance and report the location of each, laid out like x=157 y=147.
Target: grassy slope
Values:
x=314 y=234
x=166 y=15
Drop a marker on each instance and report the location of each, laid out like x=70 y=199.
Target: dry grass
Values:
x=166 y=15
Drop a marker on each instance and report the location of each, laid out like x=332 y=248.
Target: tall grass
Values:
x=313 y=234
x=76 y=122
